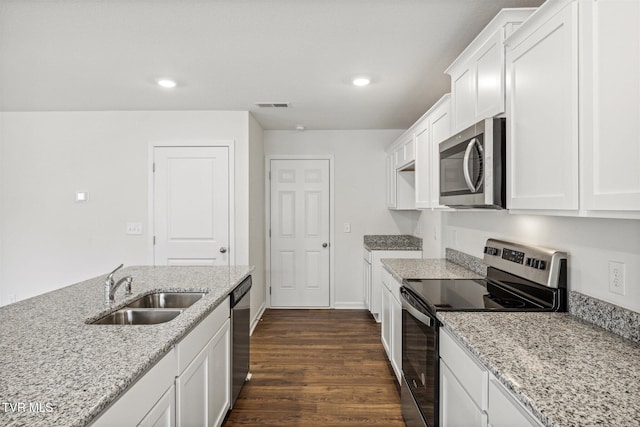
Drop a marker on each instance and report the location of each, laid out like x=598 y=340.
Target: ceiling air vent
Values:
x=272 y=104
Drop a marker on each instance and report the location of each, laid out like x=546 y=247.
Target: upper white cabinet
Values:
x=433 y=128
x=401 y=173
x=610 y=101
x=478 y=74
x=573 y=103
x=542 y=152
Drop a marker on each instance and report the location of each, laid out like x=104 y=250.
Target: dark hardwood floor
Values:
x=317 y=368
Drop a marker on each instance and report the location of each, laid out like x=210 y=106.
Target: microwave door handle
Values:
x=466 y=170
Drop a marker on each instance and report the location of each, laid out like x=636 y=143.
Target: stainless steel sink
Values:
x=167 y=300
x=129 y=316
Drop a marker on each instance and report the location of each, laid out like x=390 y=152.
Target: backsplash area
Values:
x=608 y=316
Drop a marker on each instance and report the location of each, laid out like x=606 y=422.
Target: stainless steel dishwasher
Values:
x=240 y=326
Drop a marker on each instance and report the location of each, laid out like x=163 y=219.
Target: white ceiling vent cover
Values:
x=273 y=104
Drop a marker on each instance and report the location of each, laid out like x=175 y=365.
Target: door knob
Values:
x=324 y=245
x=223 y=250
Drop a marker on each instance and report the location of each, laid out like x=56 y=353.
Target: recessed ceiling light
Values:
x=166 y=83
x=299 y=127
x=361 y=81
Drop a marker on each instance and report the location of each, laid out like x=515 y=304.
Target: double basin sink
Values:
x=152 y=309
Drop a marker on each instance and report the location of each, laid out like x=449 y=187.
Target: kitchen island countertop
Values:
x=58 y=370
x=565 y=371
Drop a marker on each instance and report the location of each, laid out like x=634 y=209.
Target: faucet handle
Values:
x=127 y=285
x=110 y=275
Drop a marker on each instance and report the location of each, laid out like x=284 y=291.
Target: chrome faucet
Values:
x=110 y=286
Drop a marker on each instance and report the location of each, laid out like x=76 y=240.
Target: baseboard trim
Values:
x=354 y=305
x=257 y=318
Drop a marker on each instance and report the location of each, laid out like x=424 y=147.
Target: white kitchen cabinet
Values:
x=391 y=180
x=542 y=142
x=610 y=101
x=163 y=413
x=505 y=411
x=478 y=74
x=471 y=396
x=366 y=276
x=375 y=291
x=203 y=384
x=401 y=173
x=456 y=406
x=145 y=400
x=392 y=322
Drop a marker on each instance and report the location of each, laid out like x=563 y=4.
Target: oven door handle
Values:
x=423 y=318
x=467 y=172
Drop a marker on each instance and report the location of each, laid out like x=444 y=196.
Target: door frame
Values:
x=199 y=143
x=267 y=180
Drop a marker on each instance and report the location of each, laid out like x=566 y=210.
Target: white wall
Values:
x=49 y=240
x=590 y=242
x=256 y=215
x=360 y=195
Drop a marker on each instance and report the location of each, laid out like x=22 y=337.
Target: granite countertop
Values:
x=65 y=371
x=392 y=243
x=427 y=268
x=566 y=371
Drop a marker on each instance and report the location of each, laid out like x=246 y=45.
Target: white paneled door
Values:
x=299 y=233
x=191 y=205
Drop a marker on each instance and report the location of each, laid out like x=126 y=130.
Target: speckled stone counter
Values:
x=427 y=269
x=566 y=371
x=392 y=243
x=66 y=371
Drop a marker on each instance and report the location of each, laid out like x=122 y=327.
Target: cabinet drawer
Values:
x=505 y=411
x=465 y=368
x=194 y=342
x=367 y=255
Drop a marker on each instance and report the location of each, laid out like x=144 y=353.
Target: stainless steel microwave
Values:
x=472 y=167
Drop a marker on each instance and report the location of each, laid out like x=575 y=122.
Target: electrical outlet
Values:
x=418 y=230
x=134 y=228
x=347 y=227
x=616 y=277
x=12 y=298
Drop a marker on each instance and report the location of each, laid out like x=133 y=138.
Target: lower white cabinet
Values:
x=457 y=408
x=373 y=284
x=189 y=386
x=504 y=411
x=163 y=413
x=471 y=396
x=146 y=401
x=392 y=322
x=203 y=389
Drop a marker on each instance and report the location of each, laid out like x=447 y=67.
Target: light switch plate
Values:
x=134 y=228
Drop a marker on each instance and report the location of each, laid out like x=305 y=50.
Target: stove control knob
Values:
x=542 y=265
x=535 y=263
x=528 y=264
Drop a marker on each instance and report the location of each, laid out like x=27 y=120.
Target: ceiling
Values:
x=92 y=55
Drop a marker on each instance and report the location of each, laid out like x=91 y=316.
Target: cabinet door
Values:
x=204 y=388
x=440 y=124
x=542 y=166
x=489 y=82
x=424 y=164
x=366 y=274
x=391 y=181
x=395 y=314
x=457 y=409
x=611 y=125
x=219 y=387
x=463 y=99
x=385 y=321
x=163 y=412
x=192 y=392
x=504 y=411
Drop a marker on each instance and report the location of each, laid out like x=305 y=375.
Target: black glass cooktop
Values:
x=467 y=295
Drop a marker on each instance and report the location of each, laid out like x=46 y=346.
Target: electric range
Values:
x=519 y=278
